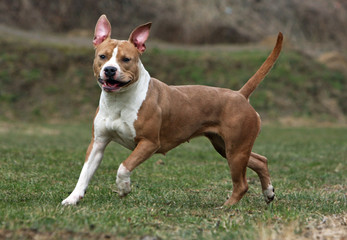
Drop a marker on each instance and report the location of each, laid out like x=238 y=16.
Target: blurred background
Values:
x=46 y=53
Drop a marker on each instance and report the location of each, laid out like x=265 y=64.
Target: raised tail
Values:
x=254 y=81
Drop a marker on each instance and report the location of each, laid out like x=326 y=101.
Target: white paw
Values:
x=123 y=181
x=269 y=194
x=123 y=188
x=72 y=200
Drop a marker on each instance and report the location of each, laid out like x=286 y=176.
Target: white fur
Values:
x=112 y=62
x=269 y=193
x=87 y=173
x=118 y=111
x=113 y=122
x=123 y=180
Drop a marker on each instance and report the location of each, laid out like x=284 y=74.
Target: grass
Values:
x=44 y=81
x=174 y=197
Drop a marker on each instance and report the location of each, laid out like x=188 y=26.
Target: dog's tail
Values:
x=254 y=81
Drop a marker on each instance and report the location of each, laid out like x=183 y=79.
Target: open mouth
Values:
x=111 y=85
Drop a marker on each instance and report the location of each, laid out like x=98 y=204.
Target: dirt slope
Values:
x=318 y=22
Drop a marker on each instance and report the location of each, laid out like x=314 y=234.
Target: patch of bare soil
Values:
x=334 y=60
x=327 y=228
x=36 y=235
x=330 y=228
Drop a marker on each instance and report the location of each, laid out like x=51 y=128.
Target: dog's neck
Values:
x=131 y=96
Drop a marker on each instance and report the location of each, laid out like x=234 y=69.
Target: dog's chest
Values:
x=118 y=113
x=117 y=124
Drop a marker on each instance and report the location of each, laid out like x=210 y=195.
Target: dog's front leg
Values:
x=94 y=156
x=143 y=151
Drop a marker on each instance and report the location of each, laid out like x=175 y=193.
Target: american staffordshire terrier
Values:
x=147 y=116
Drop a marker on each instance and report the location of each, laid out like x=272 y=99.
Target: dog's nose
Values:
x=110 y=71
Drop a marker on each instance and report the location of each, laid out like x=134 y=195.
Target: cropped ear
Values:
x=102 y=30
x=139 y=36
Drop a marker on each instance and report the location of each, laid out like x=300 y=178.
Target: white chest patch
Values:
x=118 y=112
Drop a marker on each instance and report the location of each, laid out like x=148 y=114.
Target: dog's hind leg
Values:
x=217 y=142
x=238 y=147
x=237 y=161
x=258 y=163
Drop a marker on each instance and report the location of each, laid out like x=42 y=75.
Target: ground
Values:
x=177 y=196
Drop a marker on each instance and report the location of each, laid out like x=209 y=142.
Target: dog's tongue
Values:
x=111 y=83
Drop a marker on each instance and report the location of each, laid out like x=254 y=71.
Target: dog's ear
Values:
x=102 y=30
x=139 y=36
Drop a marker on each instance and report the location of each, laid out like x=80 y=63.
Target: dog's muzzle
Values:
x=110 y=71
x=111 y=85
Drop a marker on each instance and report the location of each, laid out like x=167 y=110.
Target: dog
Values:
x=147 y=116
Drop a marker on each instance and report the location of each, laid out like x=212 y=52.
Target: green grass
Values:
x=40 y=164
x=44 y=81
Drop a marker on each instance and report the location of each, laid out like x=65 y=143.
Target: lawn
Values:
x=174 y=196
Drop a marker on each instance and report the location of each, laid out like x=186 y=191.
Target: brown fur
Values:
x=254 y=81
x=171 y=115
x=126 y=49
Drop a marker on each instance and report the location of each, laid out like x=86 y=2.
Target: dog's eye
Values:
x=125 y=59
x=102 y=56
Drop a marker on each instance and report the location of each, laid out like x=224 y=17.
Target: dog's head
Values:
x=117 y=62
